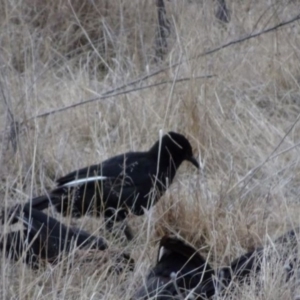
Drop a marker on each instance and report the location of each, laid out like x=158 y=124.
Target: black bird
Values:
x=127 y=182
x=178 y=270
x=45 y=238
x=182 y=273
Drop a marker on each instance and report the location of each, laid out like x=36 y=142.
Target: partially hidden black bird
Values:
x=44 y=238
x=179 y=269
x=182 y=273
x=132 y=181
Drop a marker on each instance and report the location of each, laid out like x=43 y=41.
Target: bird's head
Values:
x=178 y=148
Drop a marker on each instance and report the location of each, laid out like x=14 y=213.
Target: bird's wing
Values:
x=81 y=175
x=109 y=168
x=130 y=168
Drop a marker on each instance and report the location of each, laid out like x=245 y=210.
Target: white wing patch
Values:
x=162 y=252
x=85 y=180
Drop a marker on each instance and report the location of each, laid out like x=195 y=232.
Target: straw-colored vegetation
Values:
x=56 y=53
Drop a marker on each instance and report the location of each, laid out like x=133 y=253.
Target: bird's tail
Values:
x=10 y=215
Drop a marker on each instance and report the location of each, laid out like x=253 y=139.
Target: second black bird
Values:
x=45 y=238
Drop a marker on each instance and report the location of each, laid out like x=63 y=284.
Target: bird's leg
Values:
x=109 y=223
x=110 y=219
x=122 y=216
x=127 y=231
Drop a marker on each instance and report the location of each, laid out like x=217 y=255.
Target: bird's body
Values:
x=44 y=238
x=127 y=180
x=132 y=181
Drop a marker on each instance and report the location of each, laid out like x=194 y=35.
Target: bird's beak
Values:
x=194 y=161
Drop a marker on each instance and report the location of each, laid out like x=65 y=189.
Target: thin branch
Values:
x=105 y=96
x=240 y=40
x=272 y=155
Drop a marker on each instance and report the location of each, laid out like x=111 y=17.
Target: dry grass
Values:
x=54 y=54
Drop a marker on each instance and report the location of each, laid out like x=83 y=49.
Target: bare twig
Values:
x=240 y=40
x=272 y=155
x=105 y=96
x=266 y=11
